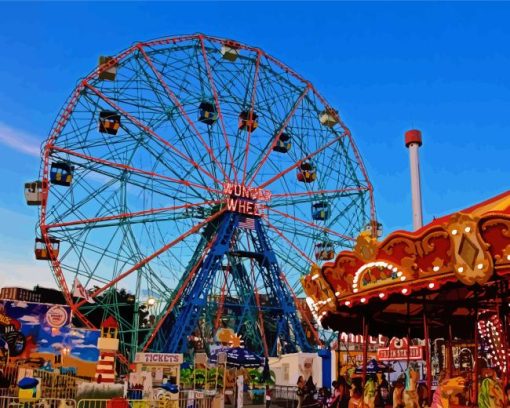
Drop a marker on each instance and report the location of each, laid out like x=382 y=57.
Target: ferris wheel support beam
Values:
x=191 y=305
x=148 y=130
x=178 y=103
x=218 y=107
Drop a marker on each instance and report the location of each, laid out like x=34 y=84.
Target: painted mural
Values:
x=41 y=335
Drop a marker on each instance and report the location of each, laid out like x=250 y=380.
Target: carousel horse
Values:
x=410 y=394
x=446 y=389
x=491 y=394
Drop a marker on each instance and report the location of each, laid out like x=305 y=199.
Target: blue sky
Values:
x=387 y=67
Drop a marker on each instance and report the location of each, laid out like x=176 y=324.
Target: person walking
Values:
x=300 y=391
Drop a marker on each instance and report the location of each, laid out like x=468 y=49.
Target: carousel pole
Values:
x=475 y=356
x=428 y=356
x=365 y=349
x=449 y=352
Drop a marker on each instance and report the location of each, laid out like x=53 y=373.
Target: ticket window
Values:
x=161 y=374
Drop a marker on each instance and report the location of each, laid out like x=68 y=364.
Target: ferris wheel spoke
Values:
x=135 y=170
x=148 y=130
x=299 y=162
x=319 y=192
x=131 y=215
x=218 y=107
x=281 y=235
x=177 y=295
x=177 y=103
x=269 y=147
x=252 y=107
x=310 y=224
x=154 y=255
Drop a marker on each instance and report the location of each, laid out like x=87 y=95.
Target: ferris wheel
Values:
x=201 y=178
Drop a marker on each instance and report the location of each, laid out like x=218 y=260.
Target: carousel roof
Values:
x=448 y=270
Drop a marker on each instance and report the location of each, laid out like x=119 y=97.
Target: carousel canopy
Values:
x=449 y=271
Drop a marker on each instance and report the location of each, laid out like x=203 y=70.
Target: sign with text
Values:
x=243 y=199
x=158 y=358
x=398 y=350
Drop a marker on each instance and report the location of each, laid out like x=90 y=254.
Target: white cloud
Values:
x=30 y=319
x=19 y=140
x=21 y=304
x=43 y=341
x=85 y=346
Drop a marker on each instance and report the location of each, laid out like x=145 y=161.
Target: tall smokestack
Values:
x=413 y=143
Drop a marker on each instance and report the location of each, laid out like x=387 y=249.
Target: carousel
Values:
x=440 y=293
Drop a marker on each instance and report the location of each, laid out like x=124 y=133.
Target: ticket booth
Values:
x=164 y=369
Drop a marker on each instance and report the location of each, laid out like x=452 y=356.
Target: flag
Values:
x=247 y=223
x=79 y=291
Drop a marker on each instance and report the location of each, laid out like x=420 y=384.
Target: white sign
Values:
x=158 y=358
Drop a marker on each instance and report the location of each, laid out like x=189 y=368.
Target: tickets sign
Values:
x=158 y=358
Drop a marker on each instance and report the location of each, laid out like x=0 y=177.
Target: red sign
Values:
x=242 y=199
x=398 y=349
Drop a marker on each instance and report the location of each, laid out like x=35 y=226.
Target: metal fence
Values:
x=182 y=401
x=15 y=402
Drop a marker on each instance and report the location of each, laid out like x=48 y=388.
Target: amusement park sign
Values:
x=398 y=349
x=158 y=358
x=243 y=199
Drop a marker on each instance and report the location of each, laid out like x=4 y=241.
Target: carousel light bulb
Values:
x=454 y=232
x=404 y=291
x=467 y=229
x=460 y=269
x=435 y=268
x=381 y=295
x=347 y=303
x=480 y=266
x=431 y=285
x=363 y=300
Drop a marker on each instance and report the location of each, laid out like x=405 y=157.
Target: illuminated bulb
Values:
x=381 y=295
x=431 y=285
x=355 y=290
x=347 y=303
x=460 y=269
x=480 y=266
x=454 y=232
x=337 y=293
x=399 y=273
x=404 y=291
x=151 y=301
x=363 y=300
x=403 y=278
x=467 y=229
x=435 y=268
x=508 y=257
x=315 y=276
